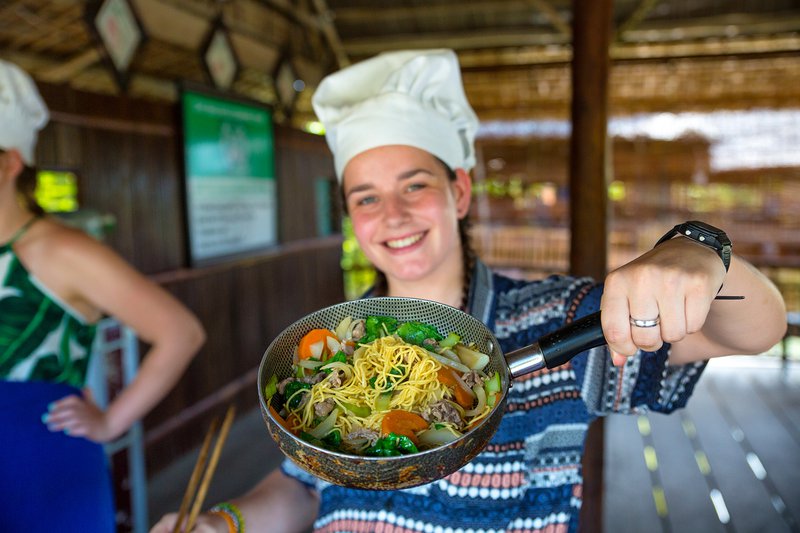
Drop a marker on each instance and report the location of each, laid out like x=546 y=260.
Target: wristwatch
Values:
x=705 y=234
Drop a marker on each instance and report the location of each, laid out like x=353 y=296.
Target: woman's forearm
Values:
x=279 y=504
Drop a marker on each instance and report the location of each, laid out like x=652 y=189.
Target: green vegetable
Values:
x=392 y=445
x=493 y=384
x=392 y=382
x=417 y=332
x=376 y=327
x=358 y=410
x=450 y=341
x=338 y=357
x=492 y=387
x=291 y=388
x=383 y=401
x=331 y=442
x=271 y=388
x=334 y=438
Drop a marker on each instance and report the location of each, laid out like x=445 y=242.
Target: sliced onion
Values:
x=481 y=394
x=333 y=345
x=450 y=354
x=316 y=349
x=344 y=325
x=437 y=437
x=310 y=363
x=449 y=362
x=358 y=353
x=473 y=359
x=326 y=426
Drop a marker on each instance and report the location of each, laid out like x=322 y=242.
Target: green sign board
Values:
x=229 y=152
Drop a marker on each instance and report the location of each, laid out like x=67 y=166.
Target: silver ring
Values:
x=645 y=323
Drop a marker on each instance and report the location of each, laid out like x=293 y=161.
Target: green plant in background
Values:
x=359 y=274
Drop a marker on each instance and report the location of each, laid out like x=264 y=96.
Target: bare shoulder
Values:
x=50 y=245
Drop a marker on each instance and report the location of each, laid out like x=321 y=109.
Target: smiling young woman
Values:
x=401 y=132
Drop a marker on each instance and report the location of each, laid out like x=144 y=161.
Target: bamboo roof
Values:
x=666 y=54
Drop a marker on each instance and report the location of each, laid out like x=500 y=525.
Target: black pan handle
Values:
x=565 y=343
x=557 y=347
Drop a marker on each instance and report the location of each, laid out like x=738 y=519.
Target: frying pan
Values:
x=389 y=473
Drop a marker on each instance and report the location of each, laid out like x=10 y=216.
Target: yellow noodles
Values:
x=403 y=371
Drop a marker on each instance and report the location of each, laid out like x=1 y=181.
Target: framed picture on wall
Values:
x=229 y=169
x=219 y=57
x=117 y=28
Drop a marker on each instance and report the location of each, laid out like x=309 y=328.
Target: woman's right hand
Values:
x=205 y=524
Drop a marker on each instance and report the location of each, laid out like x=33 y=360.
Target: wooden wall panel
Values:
x=298 y=176
x=126 y=155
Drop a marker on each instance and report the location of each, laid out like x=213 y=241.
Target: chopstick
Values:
x=729 y=298
x=192 y=490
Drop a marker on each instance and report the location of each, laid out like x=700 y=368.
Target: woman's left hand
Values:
x=673 y=284
x=79 y=417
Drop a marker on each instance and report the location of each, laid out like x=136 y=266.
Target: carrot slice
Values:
x=402 y=422
x=292 y=422
x=285 y=423
x=464 y=397
x=304 y=350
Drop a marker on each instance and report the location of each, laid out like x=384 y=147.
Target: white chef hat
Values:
x=22 y=111
x=412 y=98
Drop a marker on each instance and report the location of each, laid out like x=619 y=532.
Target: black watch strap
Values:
x=705 y=234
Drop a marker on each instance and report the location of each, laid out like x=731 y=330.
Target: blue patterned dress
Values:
x=528 y=479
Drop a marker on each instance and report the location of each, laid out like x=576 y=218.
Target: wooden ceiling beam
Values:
x=442 y=10
x=301 y=16
x=140 y=84
x=464 y=41
x=553 y=16
x=635 y=18
x=696 y=31
x=331 y=35
x=72 y=67
x=526 y=56
x=720 y=27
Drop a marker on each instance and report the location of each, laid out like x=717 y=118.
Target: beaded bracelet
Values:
x=231 y=514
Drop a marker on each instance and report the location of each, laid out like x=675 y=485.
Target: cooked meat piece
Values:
x=316 y=378
x=358 y=330
x=430 y=344
x=348 y=349
x=472 y=378
x=443 y=411
x=282 y=384
x=336 y=378
x=361 y=438
x=324 y=408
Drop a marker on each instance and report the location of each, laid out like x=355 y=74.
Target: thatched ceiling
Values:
x=667 y=54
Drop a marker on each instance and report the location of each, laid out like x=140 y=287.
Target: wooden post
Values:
x=587 y=169
x=591 y=33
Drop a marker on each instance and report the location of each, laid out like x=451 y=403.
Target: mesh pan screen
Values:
x=278 y=357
